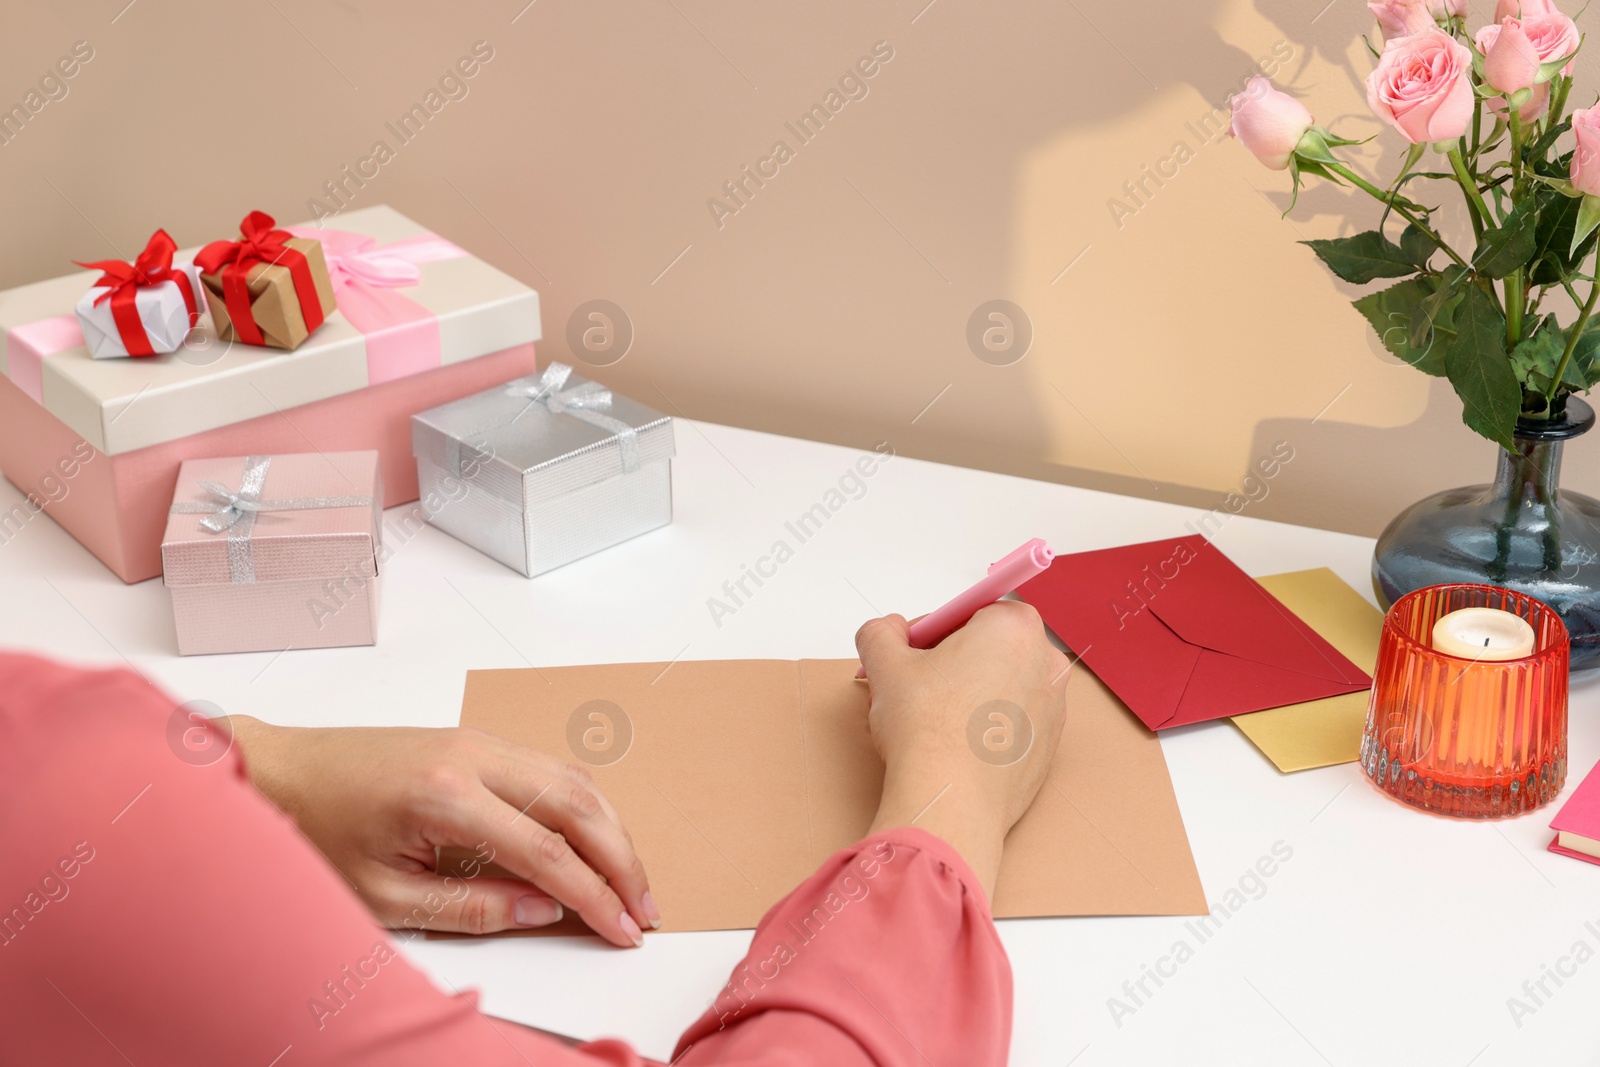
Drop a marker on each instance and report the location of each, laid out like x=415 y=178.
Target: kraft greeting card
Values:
x=737 y=778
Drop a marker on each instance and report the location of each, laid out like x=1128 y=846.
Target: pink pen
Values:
x=1003 y=577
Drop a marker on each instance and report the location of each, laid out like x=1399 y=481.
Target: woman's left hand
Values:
x=378 y=801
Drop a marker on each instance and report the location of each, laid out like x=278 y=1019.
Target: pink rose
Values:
x=1523 y=9
x=1553 y=35
x=1510 y=61
x=1268 y=122
x=1421 y=87
x=1398 y=18
x=1585 y=171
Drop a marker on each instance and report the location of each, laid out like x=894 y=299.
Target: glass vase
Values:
x=1523 y=532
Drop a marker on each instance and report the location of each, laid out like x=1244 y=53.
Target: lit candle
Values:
x=1483 y=634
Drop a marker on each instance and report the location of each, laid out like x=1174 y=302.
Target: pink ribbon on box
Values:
x=28 y=345
x=402 y=336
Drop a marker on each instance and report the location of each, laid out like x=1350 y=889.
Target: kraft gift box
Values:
x=271 y=553
x=277 y=283
x=419 y=322
x=554 y=466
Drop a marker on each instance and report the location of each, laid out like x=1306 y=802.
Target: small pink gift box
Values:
x=269 y=553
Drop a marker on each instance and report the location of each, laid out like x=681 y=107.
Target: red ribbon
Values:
x=259 y=243
x=123 y=281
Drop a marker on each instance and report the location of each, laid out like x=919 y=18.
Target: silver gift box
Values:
x=544 y=470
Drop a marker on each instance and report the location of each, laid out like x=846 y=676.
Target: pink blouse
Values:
x=155 y=911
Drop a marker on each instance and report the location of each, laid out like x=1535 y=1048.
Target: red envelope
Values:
x=1183 y=635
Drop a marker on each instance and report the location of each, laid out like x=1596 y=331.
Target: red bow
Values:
x=123 y=281
x=259 y=243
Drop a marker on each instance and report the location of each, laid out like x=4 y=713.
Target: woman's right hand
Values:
x=967 y=729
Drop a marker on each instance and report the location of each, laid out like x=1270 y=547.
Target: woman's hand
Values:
x=967 y=729
x=376 y=802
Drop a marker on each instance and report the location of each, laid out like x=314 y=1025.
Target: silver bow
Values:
x=236 y=513
x=587 y=402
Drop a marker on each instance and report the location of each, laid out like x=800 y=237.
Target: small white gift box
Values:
x=163 y=314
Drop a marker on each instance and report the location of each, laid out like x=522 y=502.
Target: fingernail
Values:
x=651 y=912
x=537 y=911
x=631 y=928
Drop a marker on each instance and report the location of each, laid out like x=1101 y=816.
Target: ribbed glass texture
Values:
x=1468 y=738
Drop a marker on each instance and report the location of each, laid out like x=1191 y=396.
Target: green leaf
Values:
x=1508 y=246
x=1417 y=246
x=1497 y=132
x=1308 y=166
x=1478 y=368
x=1545 y=143
x=1313 y=146
x=1588 y=219
x=1534 y=361
x=1584 y=370
x=1363 y=257
x=1433 y=320
x=1560 y=185
x=1401 y=314
x=1554 y=255
x=1408 y=165
x=1551 y=68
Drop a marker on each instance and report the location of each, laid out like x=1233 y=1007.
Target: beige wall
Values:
x=1173 y=346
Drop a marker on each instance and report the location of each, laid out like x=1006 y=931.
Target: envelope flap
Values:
x=1213 y=604
x=1091 y=602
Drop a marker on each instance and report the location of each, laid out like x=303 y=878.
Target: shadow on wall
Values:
x=863 y=262
x=1386 y=469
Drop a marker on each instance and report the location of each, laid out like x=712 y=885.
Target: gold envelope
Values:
x=1319 y=733
x=742 y=776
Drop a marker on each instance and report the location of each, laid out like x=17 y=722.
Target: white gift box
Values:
x=162 y=312
x=544 y=470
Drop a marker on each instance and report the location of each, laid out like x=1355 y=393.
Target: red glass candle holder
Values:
x=1475 y=739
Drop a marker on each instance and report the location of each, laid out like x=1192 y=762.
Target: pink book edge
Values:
x=1581 y=812
x=1561 y=850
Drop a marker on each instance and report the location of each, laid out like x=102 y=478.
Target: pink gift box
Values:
x=116 y=506
x=269 y=553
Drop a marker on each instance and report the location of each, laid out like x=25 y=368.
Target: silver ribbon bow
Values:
x=586 y=402
x=236 y=513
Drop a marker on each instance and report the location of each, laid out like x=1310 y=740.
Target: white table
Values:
x=1388 y=936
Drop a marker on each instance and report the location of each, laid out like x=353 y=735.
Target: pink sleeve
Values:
x=155 y=909
x=886 y=956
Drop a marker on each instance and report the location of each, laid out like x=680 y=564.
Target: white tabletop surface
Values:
x=1388 y=935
